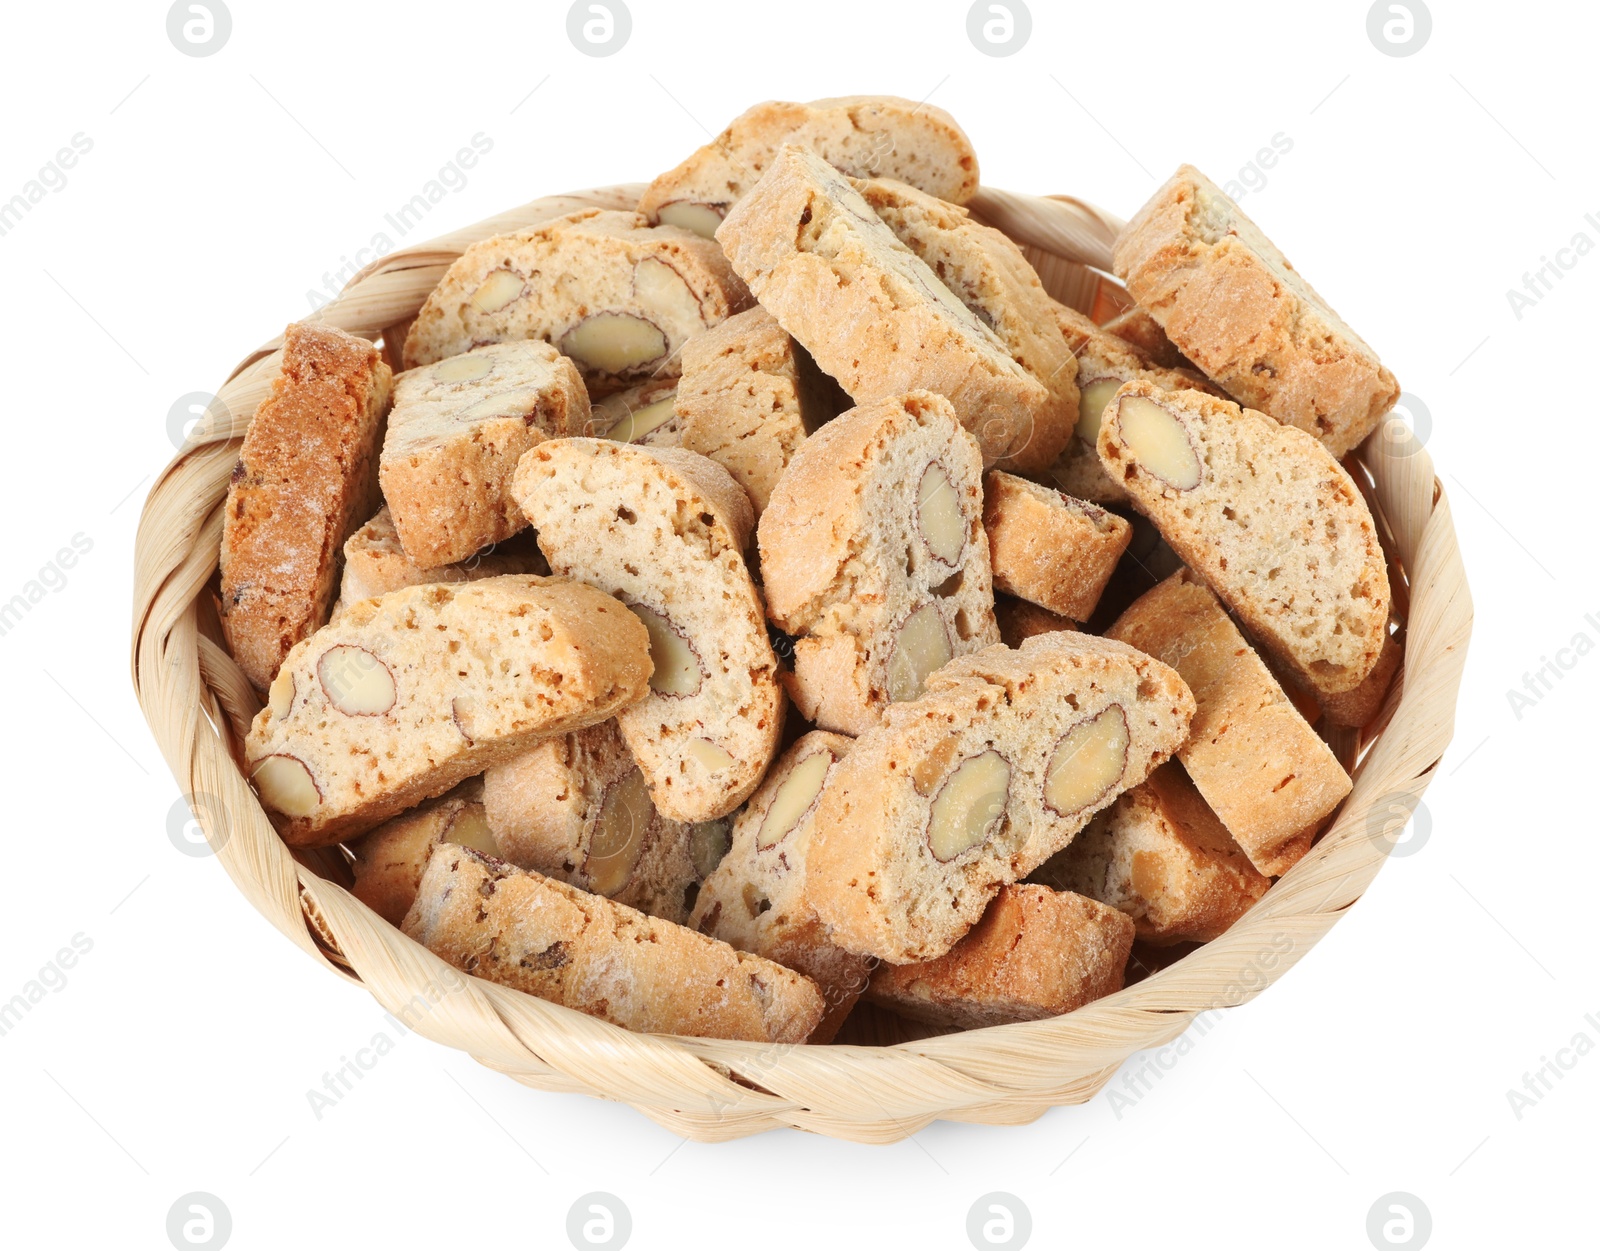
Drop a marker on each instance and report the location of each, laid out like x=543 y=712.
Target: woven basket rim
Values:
x=198 y=703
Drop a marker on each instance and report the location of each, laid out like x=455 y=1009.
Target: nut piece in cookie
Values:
x=873 y=555
x=994 y=770
x=870 y=311
x=989 y=274
x=756 y=898
x=455 y=435
x=664 y=531
x=615 y=294
x=595 y=955
x=646 y=413
x=1034 y=953
x=1266 y=516
x=307 y=475
x=1160 y=855
x=407 y=695
x=1270 y=779
x=576 y=807
x=748 y=397
x=1048 y=548
x=390 y=859
x=864 y=136
x=1232 y=303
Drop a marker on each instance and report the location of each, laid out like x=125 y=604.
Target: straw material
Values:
x=199 y=706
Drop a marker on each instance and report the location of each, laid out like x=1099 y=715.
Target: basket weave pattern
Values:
x=199 y=706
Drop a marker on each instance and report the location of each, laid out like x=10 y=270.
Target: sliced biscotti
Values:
x=375 y=563
x=576 y=807
x=616 y=294
x=868 y=309
x=1019 y=620
x=456 y=432
x=1105 y=362
x=1266 y=515
x=873 y=556
x=989 y=274
x=406 y=695
x=307 y=475
x=756 y=898
x=1360 y=705
x=1048 y=548
x=664 y=531
x=1234 y=305
x=994 y=770
x=865 y=136
x=1160 y=855
x=1264 y=771
x=1136 y=326
x=645 y=413
x=1034 y=953
x=538 y=935
x=388 y=862
x=749 y=396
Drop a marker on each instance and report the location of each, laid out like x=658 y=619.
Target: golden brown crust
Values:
x=552 y=940
x=1235 y=306
x=1035 y=953
x=1355 y=708
x=1048 y=548
x=1263 y=770
x=307 y=476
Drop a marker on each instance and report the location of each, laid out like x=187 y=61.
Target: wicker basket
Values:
x=199 y=706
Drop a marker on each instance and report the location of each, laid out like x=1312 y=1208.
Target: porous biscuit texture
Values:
x=1160 y=855
x=873 y=556
x=1267 y=517
x=864 y=136
x=388 y=861
x=756 y=899
x=994 y=770
x=1048 y=548
x=406 y=695
x=664 y=530
x=307 y=475
x=748 y=397
x=1233 y=304
x=1035 y=953
x=1264 y=771
x=989 y=274
x=616 y=294
x=595 y=955
x=872 y=313
x=576 y=807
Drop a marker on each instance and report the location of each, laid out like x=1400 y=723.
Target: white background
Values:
x=218 y=192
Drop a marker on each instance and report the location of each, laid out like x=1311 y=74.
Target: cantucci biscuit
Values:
x=989 y=274
x=645 y=413
x=1034 y=953
x=576 y=807
x=1233 y=304
x=375 y=563
x=307 y=474
x=1268 y=776
x=456 y=432
x=873 y=556
x=538 y=935
x=868 y=309
x=994 y=770
x=756 y=898
x=406 y=695
x=748 y=397
x=865 y=136
x=388 y=861
x=616 y=294
x=1105 y=362
x=1266 y=516
x=1136 y=326
x=664 y=531
x=1355 y=708
x=1160 y=855
x=1048 y=548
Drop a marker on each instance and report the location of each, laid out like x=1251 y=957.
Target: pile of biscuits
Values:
x=771 y=605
